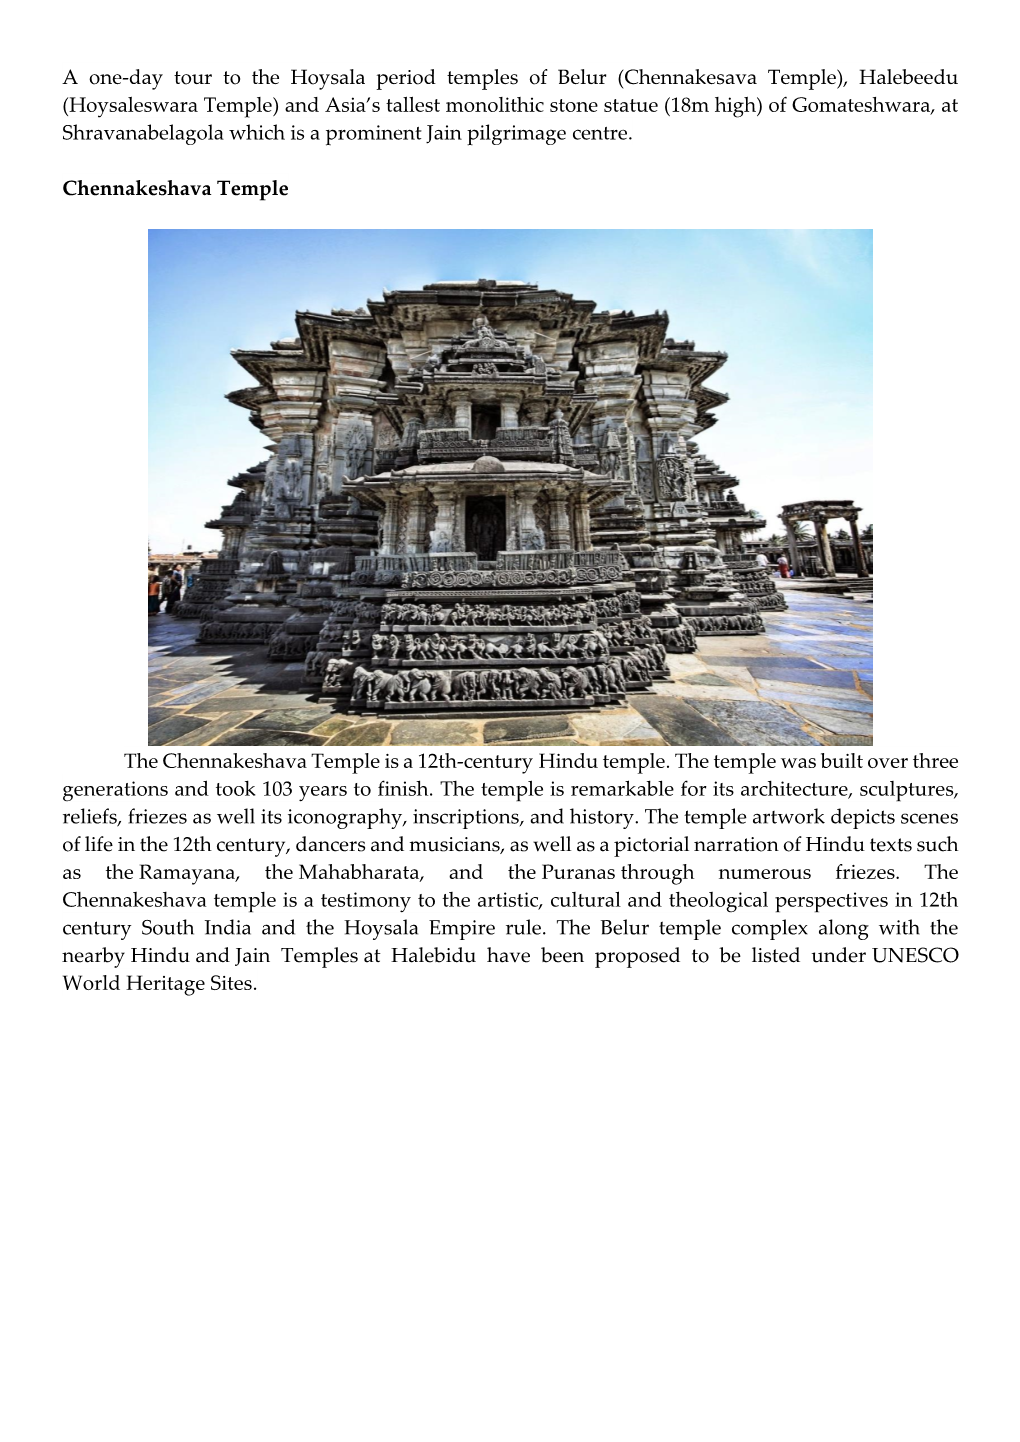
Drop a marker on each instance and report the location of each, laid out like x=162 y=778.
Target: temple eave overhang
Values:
x=707 y=399
x=249 y=398
x=648 y=332
x=683 y=359
x=317 y=331
x=258 y=363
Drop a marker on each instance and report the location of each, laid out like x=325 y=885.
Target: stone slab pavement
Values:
x=807 y=682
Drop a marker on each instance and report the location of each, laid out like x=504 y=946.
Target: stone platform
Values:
x=806 y=682
x=845 y=584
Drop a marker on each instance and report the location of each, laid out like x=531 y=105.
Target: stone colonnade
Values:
x=819 y=513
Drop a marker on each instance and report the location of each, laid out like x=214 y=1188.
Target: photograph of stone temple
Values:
x=484 y=499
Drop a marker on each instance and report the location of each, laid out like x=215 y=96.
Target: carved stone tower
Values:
x=478 y=493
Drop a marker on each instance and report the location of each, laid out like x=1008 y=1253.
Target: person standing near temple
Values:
x=154 y=590
x=172 y=590
x=784 y=568
x=762 y=560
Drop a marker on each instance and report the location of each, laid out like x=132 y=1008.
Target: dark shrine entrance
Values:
x=484 y=422
x=485 y=525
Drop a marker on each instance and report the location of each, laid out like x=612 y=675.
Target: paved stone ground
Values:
x=808 y=682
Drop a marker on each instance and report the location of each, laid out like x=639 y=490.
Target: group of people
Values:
x=782 y=565
x=165 y=589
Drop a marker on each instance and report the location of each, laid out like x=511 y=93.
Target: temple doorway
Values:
x=485 y=525
x=484 y=422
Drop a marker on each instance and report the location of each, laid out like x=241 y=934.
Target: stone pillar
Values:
x=417 y=539
x=508 y=415
x=559 y=520
x=824 y=547
x=791 y=544
x=444 y=535
x=859 y=556
x=389 y=531
x=231 y=544
x=462 y=414
x=582 y=522
x=529 y=534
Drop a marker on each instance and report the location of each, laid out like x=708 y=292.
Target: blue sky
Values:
x=791 y=307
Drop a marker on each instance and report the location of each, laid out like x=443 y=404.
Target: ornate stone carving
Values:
x=477 y=394
x=438 y=580
x=420 y=687
x=671 y=476
x=336 y=675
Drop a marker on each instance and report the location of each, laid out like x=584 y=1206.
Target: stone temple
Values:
x=480 y=495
